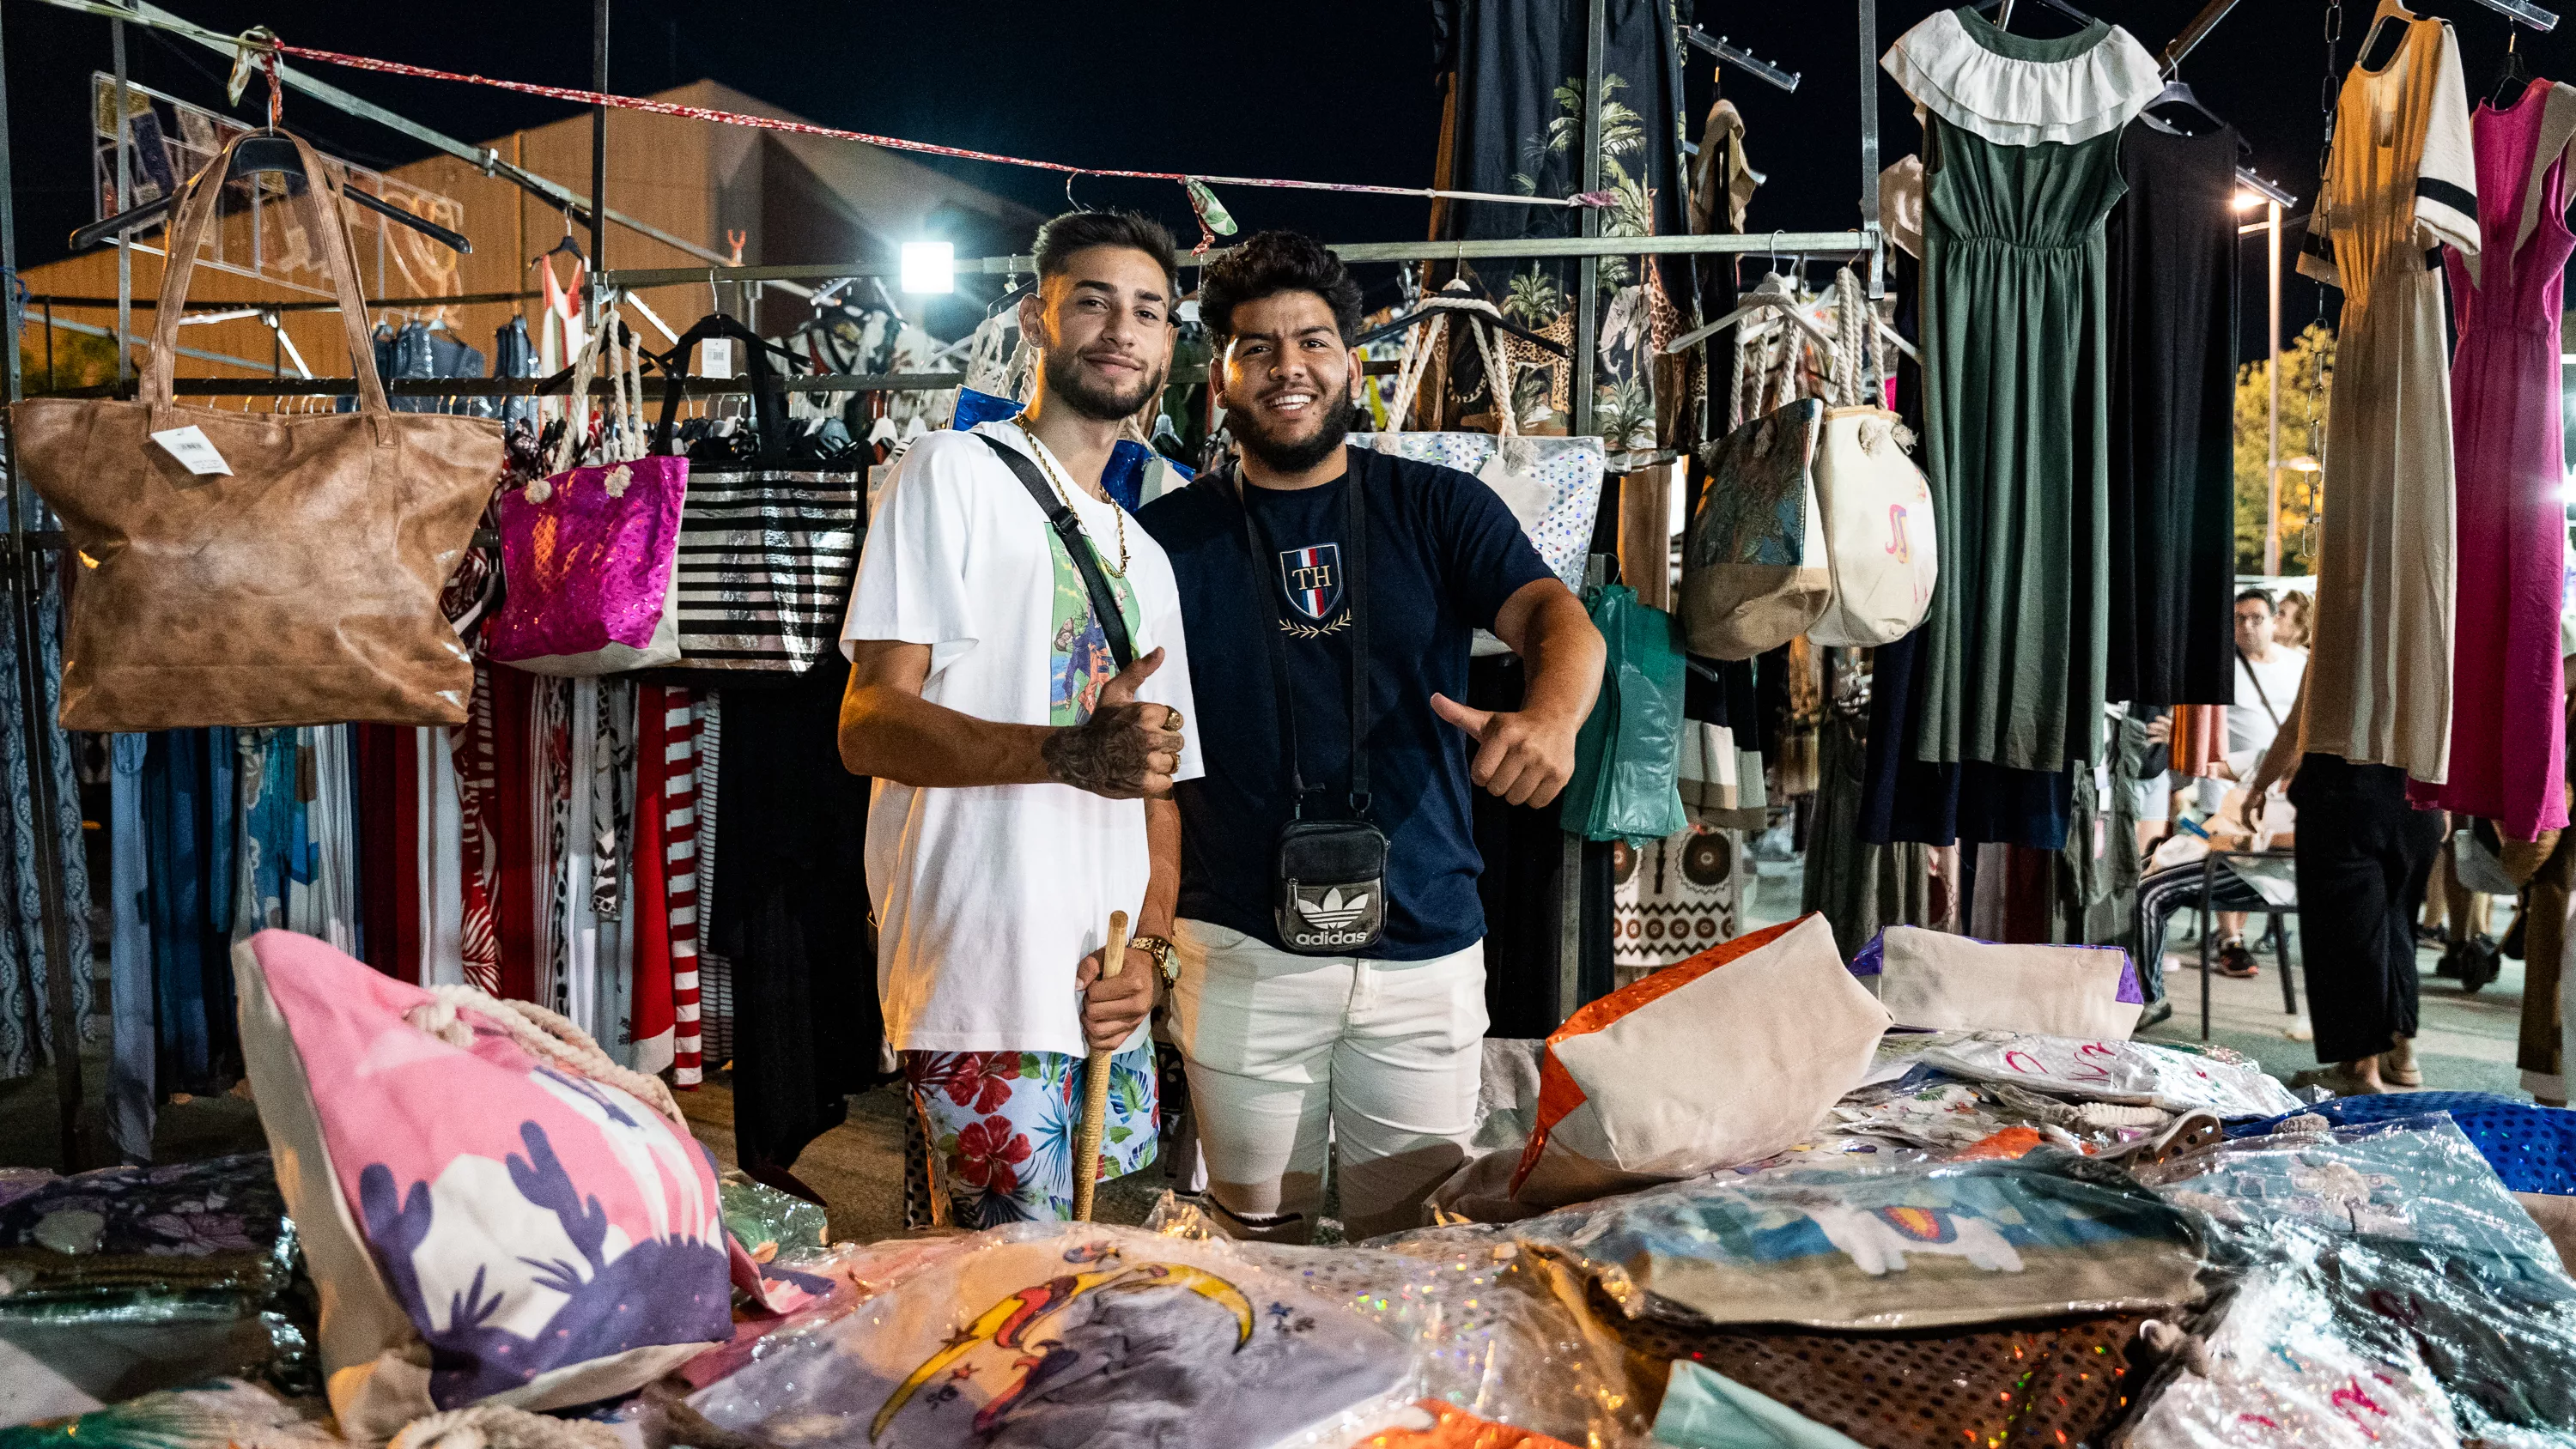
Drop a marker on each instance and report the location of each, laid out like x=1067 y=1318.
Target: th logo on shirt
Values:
x=1312 y=578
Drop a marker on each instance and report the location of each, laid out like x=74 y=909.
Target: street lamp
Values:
x=2253 y=191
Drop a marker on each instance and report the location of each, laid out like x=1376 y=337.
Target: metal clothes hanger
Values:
x=2003 y=11
x=1451 y=294
x=1771 y=294
x=2179 y=94
x=264 y=153
x=2512 y=77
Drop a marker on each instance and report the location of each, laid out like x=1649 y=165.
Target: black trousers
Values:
x=2364 y=857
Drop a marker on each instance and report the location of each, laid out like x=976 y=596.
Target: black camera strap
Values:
x=1355 y=592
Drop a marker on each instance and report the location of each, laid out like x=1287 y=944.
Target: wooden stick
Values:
x=1095 y=1085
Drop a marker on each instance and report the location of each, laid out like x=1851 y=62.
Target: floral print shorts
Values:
x=1000 y=1127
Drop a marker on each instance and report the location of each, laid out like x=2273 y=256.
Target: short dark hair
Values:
x=2263 y=594
x=1080 y=231
x=1272 y=263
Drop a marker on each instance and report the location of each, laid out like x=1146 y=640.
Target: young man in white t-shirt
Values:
x=2267 y=685
x=1022 y=777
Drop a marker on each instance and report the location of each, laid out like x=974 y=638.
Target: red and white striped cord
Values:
x=894 y=143
x=679 y=803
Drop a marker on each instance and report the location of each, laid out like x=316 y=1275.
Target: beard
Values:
x=1066 y=383
x=1293 y=455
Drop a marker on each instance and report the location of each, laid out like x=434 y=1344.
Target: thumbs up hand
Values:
x=1126 y=750
x=1520 y=757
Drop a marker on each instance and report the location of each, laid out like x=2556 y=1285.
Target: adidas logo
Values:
x=1333 y=913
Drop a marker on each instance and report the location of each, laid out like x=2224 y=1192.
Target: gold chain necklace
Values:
x=1056 y=480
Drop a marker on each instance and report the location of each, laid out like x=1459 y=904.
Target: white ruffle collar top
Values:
x=2015 y=90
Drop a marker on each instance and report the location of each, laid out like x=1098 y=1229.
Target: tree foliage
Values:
x=2307 y=382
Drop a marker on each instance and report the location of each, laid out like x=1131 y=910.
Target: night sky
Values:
x=1324 y=90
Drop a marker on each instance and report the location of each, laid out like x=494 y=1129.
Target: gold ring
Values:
x=1171 y=719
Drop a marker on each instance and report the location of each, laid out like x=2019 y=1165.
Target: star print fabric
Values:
x=1001 y=1127
x=1069 y=1336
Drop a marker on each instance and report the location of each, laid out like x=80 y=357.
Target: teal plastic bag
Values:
x=1704 y=1409
x=1627 y=757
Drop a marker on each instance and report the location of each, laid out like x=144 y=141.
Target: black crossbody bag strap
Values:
x=1077 y=544
x=1355 y=586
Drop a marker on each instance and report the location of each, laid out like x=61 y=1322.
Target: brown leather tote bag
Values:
x=300 y=588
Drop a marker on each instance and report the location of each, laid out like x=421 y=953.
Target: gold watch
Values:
x=1160 y=948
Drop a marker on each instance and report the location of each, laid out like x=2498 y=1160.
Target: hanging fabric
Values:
x=132 y=1103
x=807 y=1022
x=2173 y=280
x=2401 y=179
x=2021 y=167
x=1517 y=74
x=192 y=835
x=25 y=1002
x=2508 y=681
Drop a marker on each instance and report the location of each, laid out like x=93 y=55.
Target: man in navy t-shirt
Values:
x=1383 y=1046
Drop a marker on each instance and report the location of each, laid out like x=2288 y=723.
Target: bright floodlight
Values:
x=2248 y=200
x=929 y=266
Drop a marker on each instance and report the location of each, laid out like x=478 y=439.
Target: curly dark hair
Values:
x=1272 y=263
x=1077 y=231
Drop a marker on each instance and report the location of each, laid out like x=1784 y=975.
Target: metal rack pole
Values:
x=124 y=201
x=1587 y=327
x=1867 y=14
x=25 y=578
x=598 y=161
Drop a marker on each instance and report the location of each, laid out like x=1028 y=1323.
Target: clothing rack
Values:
x=29 y=552
x=1742 y=59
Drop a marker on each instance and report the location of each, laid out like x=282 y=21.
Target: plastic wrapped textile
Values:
x=2418 y=1181
x=1432 y=1424
x=1494 y=1329
x=1902 y=1248
x=2532 y=1148
x=2115 y=1071
x=225 y=1414
x=2279 y=1369
x=2018 y=1385
x=2508 y=1370
x=1704 y=1409
x=1069 y=1333
x=204 y=1240
x=51 y=1367
x=771 y=1225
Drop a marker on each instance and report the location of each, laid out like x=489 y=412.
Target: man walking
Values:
x=1019 y=692
x=1331 y=939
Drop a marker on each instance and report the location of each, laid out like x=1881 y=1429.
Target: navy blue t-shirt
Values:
x=1444 y=553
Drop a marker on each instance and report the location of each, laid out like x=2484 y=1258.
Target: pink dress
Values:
x=2508 y=725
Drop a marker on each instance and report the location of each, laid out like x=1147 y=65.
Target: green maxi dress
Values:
x=2021 y=166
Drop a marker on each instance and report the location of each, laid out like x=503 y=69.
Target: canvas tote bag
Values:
x=769 y=540
x=1551 y=485
x=299 y=584
x=1754 y=574
x=1876 y=508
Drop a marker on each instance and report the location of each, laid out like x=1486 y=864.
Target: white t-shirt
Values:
x=2250 y=727
x=987 y=898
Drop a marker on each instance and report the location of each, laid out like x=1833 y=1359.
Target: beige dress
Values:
x=2401 y=182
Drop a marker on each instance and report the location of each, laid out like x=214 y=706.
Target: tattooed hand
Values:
x=1127 y=751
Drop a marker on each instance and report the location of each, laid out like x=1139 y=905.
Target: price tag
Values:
x=715 y=357
x=194 y=453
